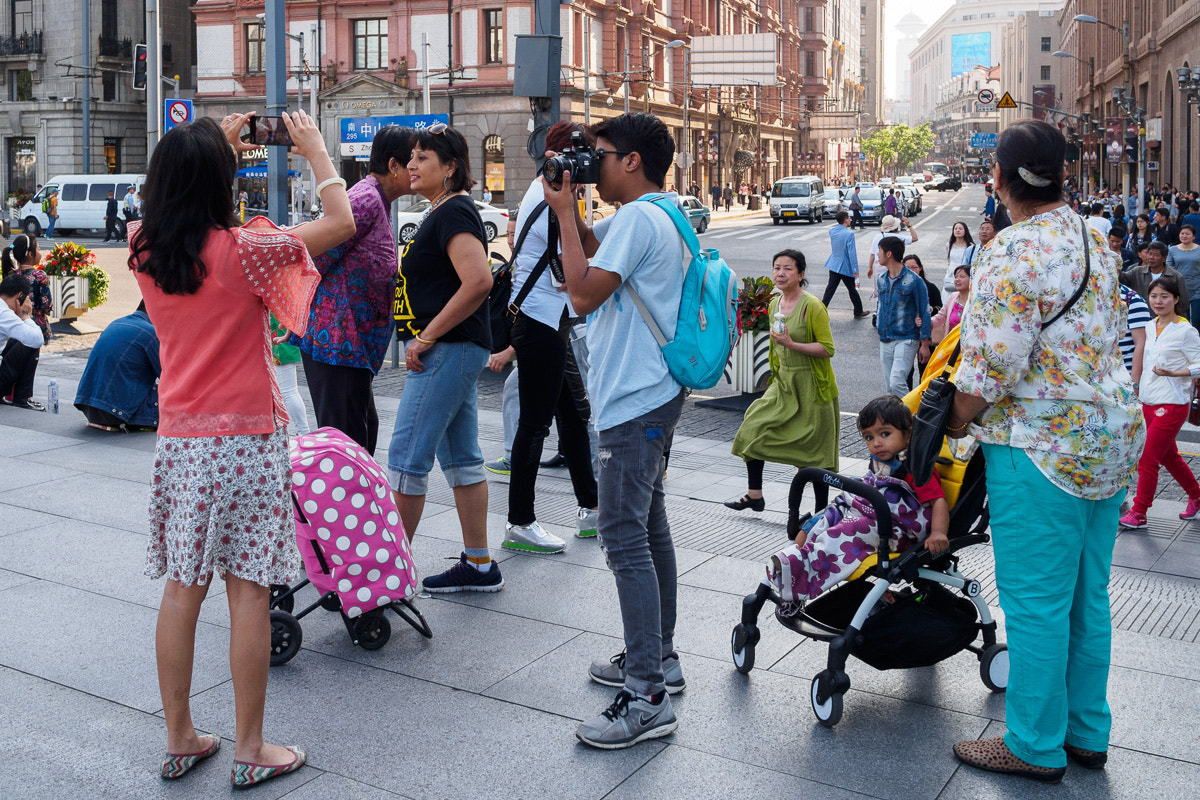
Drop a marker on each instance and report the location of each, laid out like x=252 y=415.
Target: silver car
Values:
x=833 y=203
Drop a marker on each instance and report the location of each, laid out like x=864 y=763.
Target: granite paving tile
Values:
x=108 y=501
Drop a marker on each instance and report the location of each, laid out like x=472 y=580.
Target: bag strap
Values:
x=540 y=266
x=693 y=244
x=1087 y=276
x=533 y=215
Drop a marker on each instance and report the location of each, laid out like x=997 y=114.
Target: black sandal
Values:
x=746 y=501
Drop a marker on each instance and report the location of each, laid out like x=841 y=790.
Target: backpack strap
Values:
x=693 y=244
x=533 y=215
x=514 y=307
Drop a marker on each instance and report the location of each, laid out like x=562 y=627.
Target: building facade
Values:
x=1164 y=36
x=965 y=36
x=1029 y=71
x=364 y=60
x=957 y=117
x=871 y=51
x=42 y=86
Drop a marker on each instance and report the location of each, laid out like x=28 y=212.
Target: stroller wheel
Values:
x=828 y=713
x=331 y=602
x=286 y=637
x=993 y=667
x=287 y=603
x=744 y=639
x=372 y=630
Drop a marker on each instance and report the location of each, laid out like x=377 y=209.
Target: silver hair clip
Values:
x=1031 y=179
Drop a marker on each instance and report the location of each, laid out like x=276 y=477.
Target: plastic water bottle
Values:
x=779 y=323
x=52 y=398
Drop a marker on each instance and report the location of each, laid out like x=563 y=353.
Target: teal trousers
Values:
x=1052 y=569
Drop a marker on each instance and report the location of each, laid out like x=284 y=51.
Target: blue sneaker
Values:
x=463 y=577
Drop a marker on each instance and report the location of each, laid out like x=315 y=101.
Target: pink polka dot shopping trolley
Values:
x=353 y=545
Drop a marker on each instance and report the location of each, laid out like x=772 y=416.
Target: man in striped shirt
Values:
x=1133 y=340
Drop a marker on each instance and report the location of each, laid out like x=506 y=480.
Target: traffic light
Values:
x=140 y=62
x=1131 y=149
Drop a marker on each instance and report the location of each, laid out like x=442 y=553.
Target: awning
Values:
x=261 y=172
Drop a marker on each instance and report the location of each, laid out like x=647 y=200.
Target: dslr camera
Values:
x=578 y=159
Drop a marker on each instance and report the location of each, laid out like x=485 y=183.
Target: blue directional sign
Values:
x=363 y=129
x=984 y=141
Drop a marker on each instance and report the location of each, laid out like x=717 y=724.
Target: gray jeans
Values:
x=637 y=542
x=897 y=358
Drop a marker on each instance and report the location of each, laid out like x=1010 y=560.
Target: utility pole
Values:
x=87 y=89
x=537 y=74
x=276 y=55
x=153 y=83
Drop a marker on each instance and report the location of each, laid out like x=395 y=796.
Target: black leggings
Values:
x=541 y=358
x=17 y=367
x=343 y=399
x=754 y=477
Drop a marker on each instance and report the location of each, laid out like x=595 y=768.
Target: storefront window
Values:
x=22 y=163
x=493 y=168
x=112 y=154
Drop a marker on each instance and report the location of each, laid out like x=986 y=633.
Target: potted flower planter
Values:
x=69 y=295
x=749 y=364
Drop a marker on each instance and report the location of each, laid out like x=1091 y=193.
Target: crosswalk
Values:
x=798 y=233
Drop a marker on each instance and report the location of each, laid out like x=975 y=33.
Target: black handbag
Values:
x=937 y=401
x=500 y=297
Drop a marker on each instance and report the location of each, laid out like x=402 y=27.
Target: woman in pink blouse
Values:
x=220 y=493
x=951 y=313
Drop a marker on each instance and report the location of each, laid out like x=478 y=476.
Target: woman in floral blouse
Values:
x=1054 y=409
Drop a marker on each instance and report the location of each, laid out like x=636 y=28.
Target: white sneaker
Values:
x=531 y=538
x=587 y=523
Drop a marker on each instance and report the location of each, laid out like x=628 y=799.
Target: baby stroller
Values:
x=898 y=610
x=353 y=545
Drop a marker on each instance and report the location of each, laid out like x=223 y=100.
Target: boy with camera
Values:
x=636 y=402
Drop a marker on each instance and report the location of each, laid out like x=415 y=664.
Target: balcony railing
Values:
x=112 y=47
x=22 y=44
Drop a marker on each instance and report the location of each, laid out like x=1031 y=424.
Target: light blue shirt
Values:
x=844 y=256
x=629 y=376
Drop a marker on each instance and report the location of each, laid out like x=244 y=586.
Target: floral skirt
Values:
x=222 y=504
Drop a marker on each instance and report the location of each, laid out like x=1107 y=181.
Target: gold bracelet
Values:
x=958 y=428
x=417 y=336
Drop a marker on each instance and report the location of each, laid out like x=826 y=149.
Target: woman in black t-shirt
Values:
x=443 y=321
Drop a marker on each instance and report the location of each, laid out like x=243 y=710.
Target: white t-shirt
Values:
x=1100 y=224
x=628 y=375
x=545 y=303
x=903 y=235
x=959 y=255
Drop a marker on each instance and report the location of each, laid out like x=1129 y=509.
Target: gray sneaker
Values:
x=587 y=522
x=627 y=721
x=501 y=466
x=531 y=538
x=612 y=672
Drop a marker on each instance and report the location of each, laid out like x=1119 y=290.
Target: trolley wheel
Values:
x=993 y=667
x=828 y=713
x=286 y=637
x=372 y=630
x=744 y=638
x=331 y=602
x=287 y=603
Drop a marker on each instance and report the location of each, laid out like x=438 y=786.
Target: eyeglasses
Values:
x=603 y=153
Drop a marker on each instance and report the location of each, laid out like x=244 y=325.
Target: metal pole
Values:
x=424 y=73
x=87 y=88
x=587 y=107
x=276 y=53
x=153 y=84
x=687 y=91
x=626 y=74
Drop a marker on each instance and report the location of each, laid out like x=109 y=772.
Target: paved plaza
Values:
x=488 y=707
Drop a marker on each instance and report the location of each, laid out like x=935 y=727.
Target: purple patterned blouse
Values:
x=350 y=323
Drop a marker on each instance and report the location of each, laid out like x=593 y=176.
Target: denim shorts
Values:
x=439 y=415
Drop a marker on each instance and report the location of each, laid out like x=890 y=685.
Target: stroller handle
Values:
x=883 y=512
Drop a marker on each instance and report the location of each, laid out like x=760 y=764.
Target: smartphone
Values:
x=269 y=131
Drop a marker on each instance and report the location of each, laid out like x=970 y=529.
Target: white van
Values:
x=82 y=200
x=801 y=197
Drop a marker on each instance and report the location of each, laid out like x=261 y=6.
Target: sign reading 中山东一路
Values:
x=984 y=141
x=357 y=132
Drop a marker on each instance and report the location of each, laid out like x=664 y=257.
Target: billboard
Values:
x=969 y=49
x=744 y=59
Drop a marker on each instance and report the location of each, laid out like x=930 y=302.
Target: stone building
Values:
x=42 y=77
x=365 y=61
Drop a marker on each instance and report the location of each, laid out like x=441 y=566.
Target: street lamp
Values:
x=1189 y=84
x=1127 y=104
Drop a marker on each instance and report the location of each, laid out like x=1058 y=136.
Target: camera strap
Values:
x=514 y=307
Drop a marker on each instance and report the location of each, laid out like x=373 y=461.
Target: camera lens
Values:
x=554 y=168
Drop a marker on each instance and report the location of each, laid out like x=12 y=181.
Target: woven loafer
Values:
x=176 y=765
x=993 y=755
x=1088 y=759
x=246 y=774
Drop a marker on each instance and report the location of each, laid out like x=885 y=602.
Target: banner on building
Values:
x=968 y=50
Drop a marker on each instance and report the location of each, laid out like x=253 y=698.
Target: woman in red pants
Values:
x=1173 y=353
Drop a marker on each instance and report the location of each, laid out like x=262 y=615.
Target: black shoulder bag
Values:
x=929 y=423
x=500 y=298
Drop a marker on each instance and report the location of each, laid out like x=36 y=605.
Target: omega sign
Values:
x=493 y=144
x=356 y=105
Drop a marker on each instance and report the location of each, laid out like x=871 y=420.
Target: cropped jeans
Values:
x=636 y=539
x=439 y=415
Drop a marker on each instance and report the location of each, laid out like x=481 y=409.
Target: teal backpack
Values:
x=707 y=326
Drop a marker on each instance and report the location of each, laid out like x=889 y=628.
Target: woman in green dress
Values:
x=797 y=420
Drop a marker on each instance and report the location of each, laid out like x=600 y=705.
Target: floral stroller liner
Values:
x=352 y=542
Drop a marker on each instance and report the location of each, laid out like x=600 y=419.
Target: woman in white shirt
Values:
x=959 y=251
x=1172 y=352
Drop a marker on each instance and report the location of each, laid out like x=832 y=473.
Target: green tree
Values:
x=899 y=146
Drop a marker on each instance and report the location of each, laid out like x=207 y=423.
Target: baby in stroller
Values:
x=832 y=544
